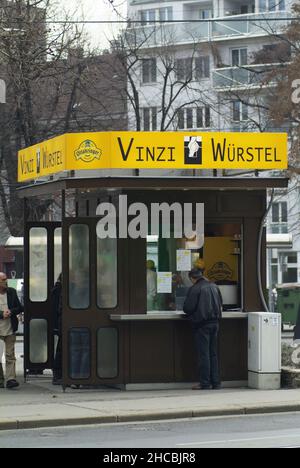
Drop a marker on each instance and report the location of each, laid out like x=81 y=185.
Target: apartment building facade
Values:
x=217 y=58
x=204 y=64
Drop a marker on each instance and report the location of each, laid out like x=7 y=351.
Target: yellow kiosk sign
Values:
x=153 y=150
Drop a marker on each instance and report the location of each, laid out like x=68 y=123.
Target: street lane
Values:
x=269 y=431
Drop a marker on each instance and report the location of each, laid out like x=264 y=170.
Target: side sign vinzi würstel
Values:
x=153 y=150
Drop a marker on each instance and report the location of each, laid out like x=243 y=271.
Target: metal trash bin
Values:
x=288 y=303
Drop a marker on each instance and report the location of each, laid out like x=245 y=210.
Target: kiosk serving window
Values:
x=170 y=260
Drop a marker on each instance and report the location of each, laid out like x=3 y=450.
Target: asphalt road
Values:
x=266 y=431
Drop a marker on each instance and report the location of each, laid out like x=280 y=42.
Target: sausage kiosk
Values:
x=123 y=323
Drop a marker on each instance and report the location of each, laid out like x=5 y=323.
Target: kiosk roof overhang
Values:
x=153 y=183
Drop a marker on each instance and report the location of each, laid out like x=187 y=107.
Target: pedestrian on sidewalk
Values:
x=10 y=308
x=56 y=304
x=203 y=306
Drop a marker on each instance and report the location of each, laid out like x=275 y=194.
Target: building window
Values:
x=188 y=69
x=245 y=9
x=290 y=276
x=203 y=117
x=184 y=69
x=289 y=267
x=149 y=74
x=271 y=5
x=147 y=16
x=192 y=118
x=202 y=67
x=281 y=5
x=239 y=111
x=165 y=14
x=279 y=212
x=274 y=279
x=239 y=57
x=149 y=119
x=275 y=53
x=205 y=14
x=158 y=14
x=279 y=219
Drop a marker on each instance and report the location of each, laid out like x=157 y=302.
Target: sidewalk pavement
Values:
x=40 y=404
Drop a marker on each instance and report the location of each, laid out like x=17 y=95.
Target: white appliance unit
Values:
x=264 y=350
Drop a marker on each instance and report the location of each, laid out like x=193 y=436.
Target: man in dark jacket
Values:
x=203 y=306
x=10 y=308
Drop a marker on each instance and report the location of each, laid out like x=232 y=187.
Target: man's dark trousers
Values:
x=206 y=338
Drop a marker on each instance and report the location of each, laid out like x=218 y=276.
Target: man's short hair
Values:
x=195 y=273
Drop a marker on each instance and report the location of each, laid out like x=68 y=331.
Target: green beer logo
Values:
x=88 y=151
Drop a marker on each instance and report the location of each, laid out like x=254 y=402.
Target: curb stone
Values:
x=6 y=424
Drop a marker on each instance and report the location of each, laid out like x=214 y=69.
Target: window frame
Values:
x=242 y=108
x=149 y=70
x=202 y=67
x=240 y=58
x=151 y=15
x=182 y=117
x=184 y=69
x=153 y=121
x=265 y=6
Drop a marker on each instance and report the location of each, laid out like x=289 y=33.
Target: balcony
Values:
x=217 y=29
x=246 y=77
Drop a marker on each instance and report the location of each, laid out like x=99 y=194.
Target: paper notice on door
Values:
x=164 y=282
x=184 y=260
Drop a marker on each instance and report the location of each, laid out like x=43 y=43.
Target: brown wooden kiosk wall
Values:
x=161 y=349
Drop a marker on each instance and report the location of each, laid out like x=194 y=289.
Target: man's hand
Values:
x=6 y=314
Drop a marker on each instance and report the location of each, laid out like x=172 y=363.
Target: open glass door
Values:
x=43 y=264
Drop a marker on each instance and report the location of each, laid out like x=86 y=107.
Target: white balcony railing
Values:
x=166 y=34
x=248 y=76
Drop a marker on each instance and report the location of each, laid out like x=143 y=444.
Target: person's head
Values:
x=199 y=264
x=3 y=282
x=150 y=265
x=195 y=274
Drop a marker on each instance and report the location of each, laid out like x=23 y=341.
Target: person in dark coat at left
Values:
x=10 y=308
